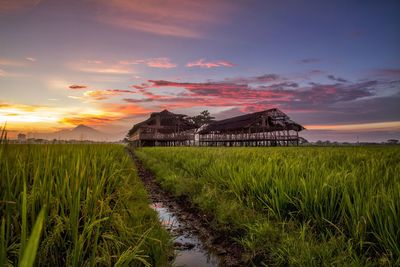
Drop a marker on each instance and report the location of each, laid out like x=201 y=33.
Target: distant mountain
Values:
x=81 y=128
x=80 y=132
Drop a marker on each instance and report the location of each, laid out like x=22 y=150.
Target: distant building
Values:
x=21 y=137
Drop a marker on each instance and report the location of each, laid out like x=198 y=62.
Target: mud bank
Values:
x=194 y=241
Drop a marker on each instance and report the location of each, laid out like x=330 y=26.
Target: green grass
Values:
x=293 y=206
x=76 y=205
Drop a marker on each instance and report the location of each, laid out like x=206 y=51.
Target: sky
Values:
x=332 y=66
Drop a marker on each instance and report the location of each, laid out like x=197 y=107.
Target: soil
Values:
x=192 y=220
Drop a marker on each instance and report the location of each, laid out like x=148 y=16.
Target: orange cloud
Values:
x=105 y=114
x=374 y=126
x=19 y=116
x=99 y=94
x=6 y=107
x=27 y=117
x=33 y=118
x=105 y=94
x=126 y=109
x=89 y=119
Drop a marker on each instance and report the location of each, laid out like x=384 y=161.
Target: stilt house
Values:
x=270 y=127
x=163 y=129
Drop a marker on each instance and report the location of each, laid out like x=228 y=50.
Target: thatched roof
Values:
x=274 y=120
x=168 y=122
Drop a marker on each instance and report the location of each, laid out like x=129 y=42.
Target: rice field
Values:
x=76 y=205
x=293 y=206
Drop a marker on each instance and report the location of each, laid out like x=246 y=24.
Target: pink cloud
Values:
x=169 y=17
x=160 y=62
x=14 y=5
x=152 y=27
x=250 y=96
x=141 y=86
x=98 y=66
x=163 y=63
x=219 y=89
x=202 y=63
x=386 y=73
x=11 y=63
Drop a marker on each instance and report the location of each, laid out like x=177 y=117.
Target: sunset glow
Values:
x=109 y=64
x=378 y=126
x=28 y=118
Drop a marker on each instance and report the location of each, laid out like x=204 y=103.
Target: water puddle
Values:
x=189 y=249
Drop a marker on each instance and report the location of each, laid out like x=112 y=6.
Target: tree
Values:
x=393 y=141
x=203 y=118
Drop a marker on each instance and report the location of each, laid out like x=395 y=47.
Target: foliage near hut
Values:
x=202 y=119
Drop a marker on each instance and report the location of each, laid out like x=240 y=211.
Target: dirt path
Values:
x=191 y=221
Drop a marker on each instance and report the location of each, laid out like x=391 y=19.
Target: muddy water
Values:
x=190 y=251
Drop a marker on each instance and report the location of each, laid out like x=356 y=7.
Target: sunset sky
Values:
x=332 y=66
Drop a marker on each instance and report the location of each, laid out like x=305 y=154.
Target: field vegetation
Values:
x=76 y=205
x=293 y=205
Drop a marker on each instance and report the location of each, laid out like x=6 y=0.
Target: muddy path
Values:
x=194 y=242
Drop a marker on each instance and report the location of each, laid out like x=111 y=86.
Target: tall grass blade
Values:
x=29 y=256
x=24 y=225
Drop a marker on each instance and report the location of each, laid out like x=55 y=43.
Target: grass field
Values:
x=76 y=205
x=293 y=206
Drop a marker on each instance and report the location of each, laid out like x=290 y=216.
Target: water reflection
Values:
x=189 y=249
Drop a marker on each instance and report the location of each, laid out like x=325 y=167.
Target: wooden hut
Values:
x=270 y=127
x=163 y=129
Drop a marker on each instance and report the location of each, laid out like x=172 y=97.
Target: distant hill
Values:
x=80 y=132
